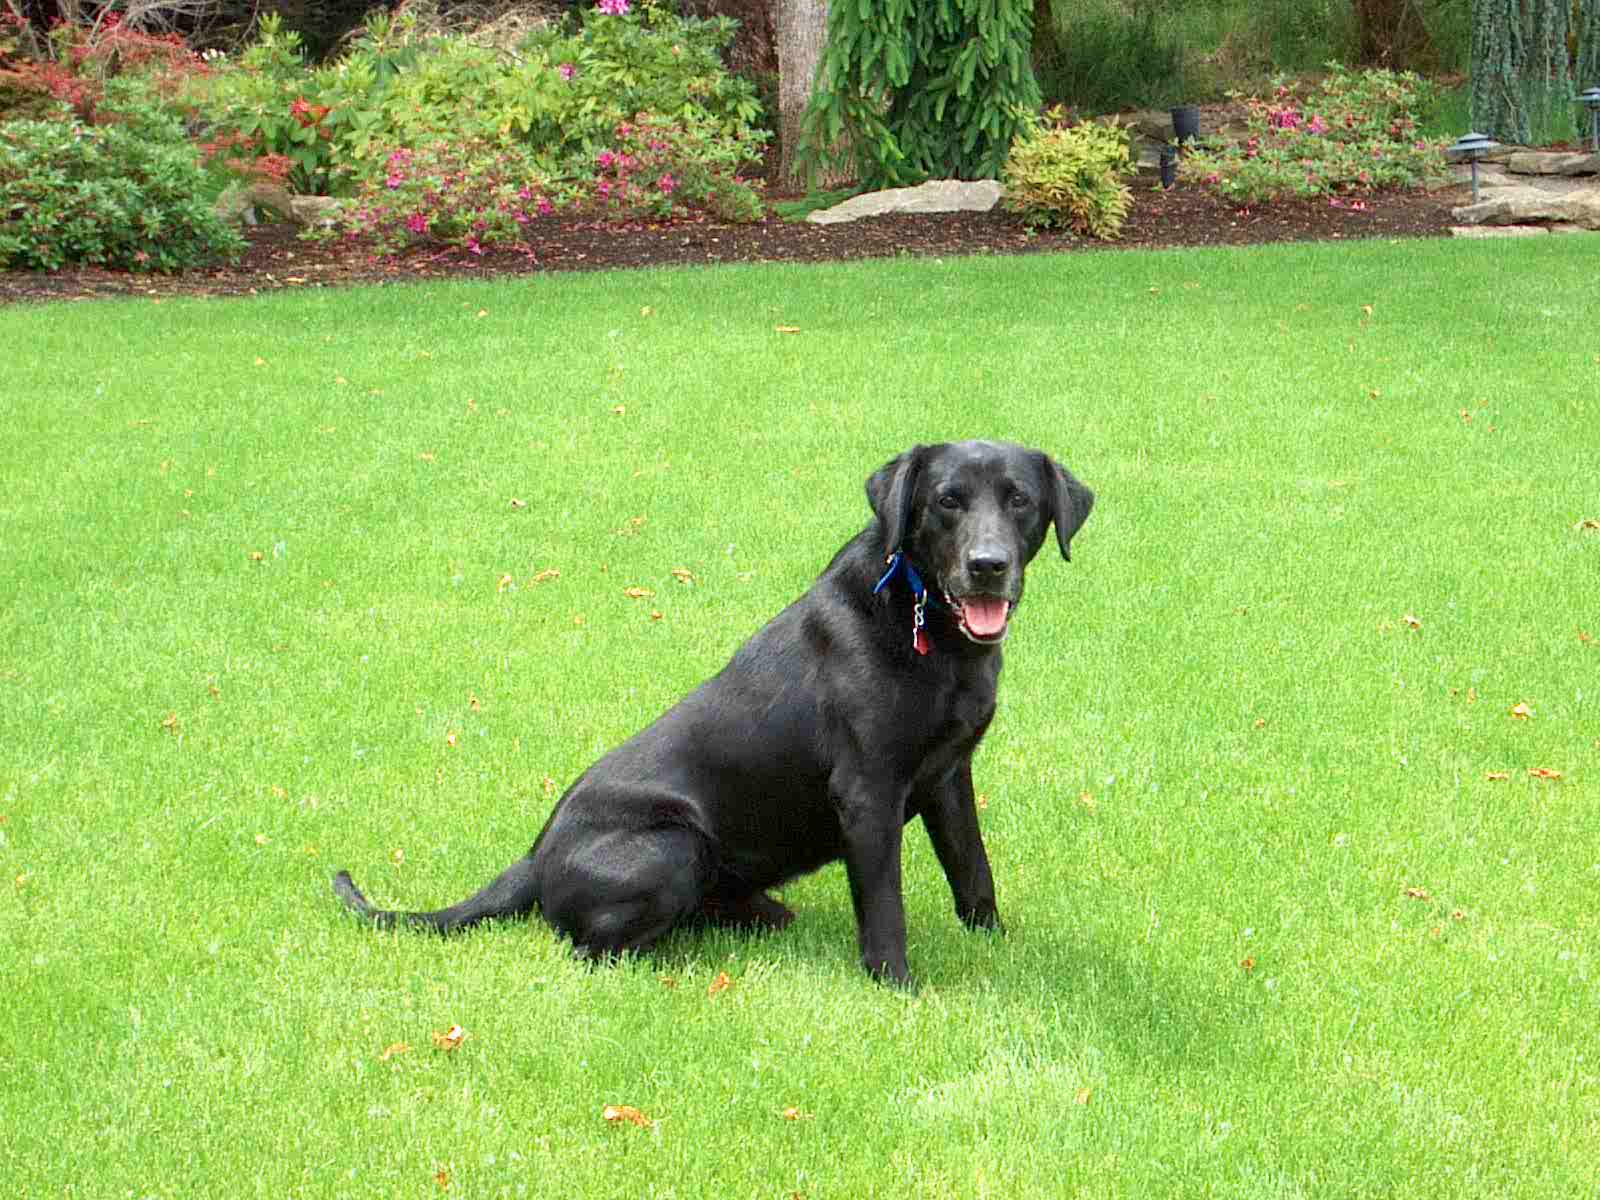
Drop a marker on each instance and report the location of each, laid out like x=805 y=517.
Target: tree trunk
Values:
x=802 y=28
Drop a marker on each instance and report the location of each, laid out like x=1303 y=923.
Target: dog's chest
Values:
x=950 y=726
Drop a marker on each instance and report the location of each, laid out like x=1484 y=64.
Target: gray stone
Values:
x=1536 y=162
x=937 y=195
x=1530 y=205
x=1497 y=231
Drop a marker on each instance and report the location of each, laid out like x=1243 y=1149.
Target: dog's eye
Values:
x=950 y=501
x=1020 y=500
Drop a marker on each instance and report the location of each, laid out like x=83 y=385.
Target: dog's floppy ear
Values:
x=890 y=491
x=1072 y=502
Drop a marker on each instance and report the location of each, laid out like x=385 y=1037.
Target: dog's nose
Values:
x=987 y=564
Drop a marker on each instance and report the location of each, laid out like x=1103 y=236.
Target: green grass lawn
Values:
x=276 y=599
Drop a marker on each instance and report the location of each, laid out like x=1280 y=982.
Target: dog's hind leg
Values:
x=512 y=894
x=621 y=892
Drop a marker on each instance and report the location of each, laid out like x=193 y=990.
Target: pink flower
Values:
x=604 y=188
x=545 y=207
x=667 y=184
x=474 y=245
x=1318 y=125
x=394 y=181
x=606 y=159
x=567 y=70
x=417 y=223
x=613 y=8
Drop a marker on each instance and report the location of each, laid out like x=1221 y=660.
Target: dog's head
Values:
x=971 y=516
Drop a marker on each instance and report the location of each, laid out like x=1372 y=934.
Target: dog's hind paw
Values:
x=755 y=911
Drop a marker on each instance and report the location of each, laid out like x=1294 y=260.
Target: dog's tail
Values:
x=514 y=894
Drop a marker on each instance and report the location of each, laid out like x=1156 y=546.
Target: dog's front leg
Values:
x=951 y=814
x=871 y=818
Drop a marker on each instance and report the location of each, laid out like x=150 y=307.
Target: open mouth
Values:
x=983 y=619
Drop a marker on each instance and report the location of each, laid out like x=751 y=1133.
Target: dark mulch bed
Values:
x=1181 y=217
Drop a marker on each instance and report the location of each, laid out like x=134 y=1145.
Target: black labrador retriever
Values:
x=857 y=708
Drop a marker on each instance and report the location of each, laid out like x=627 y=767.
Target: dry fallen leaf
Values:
x=620 y=410
x=262 y=839
x=786 y=328
x=398 y=856
x=1416 y=893
x=1585 y=636
x=719 y=985
x=450 y=739
x=617 y=1114
x=1545 y=773
x=1411 y=621
x=549 y=786
x=655 y=614
x=637 y=593
x=683 y=574
x=1521 y=711
x=450 y=1038
x=442 y=1178
x=1260 y=723
x=1588 y=524
x=982 y=802
x=170 y=724
x=1082 y=1095
x=474 y=703
x=794 y=1114
x=1249 y=964
x=506 y=582
x=394 y=1050
x=257 y=556
x=1497 y=776
x=545 y=576
x=515 y=503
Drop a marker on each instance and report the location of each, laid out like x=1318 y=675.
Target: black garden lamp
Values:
x=1590 y=99
x=1472 y=145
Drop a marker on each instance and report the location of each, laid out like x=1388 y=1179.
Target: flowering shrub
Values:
x=73 y=65
x=266 y=104
x=559 y=99
x=657 y=168
x=1355 y=132
x=124 y=194
x=471 y=194
x=1070 y=175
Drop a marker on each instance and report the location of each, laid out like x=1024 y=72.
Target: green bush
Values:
x=552 y=108
x=1355 y=132
x=126 y=194
x=1072 y=177
x=911 y=91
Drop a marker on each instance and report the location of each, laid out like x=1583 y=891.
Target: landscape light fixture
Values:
x=1472 y=145
x=1590 y=99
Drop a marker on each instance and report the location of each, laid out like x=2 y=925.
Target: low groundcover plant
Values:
x=1354 y=132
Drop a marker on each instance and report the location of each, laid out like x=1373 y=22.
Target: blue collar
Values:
x=899 y=564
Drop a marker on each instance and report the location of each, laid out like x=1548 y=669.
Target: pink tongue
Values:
x=985 y=616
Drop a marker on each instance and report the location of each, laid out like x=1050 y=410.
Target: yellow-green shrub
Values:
x=1070 y=176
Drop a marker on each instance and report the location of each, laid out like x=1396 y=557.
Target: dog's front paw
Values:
x=982 y=916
